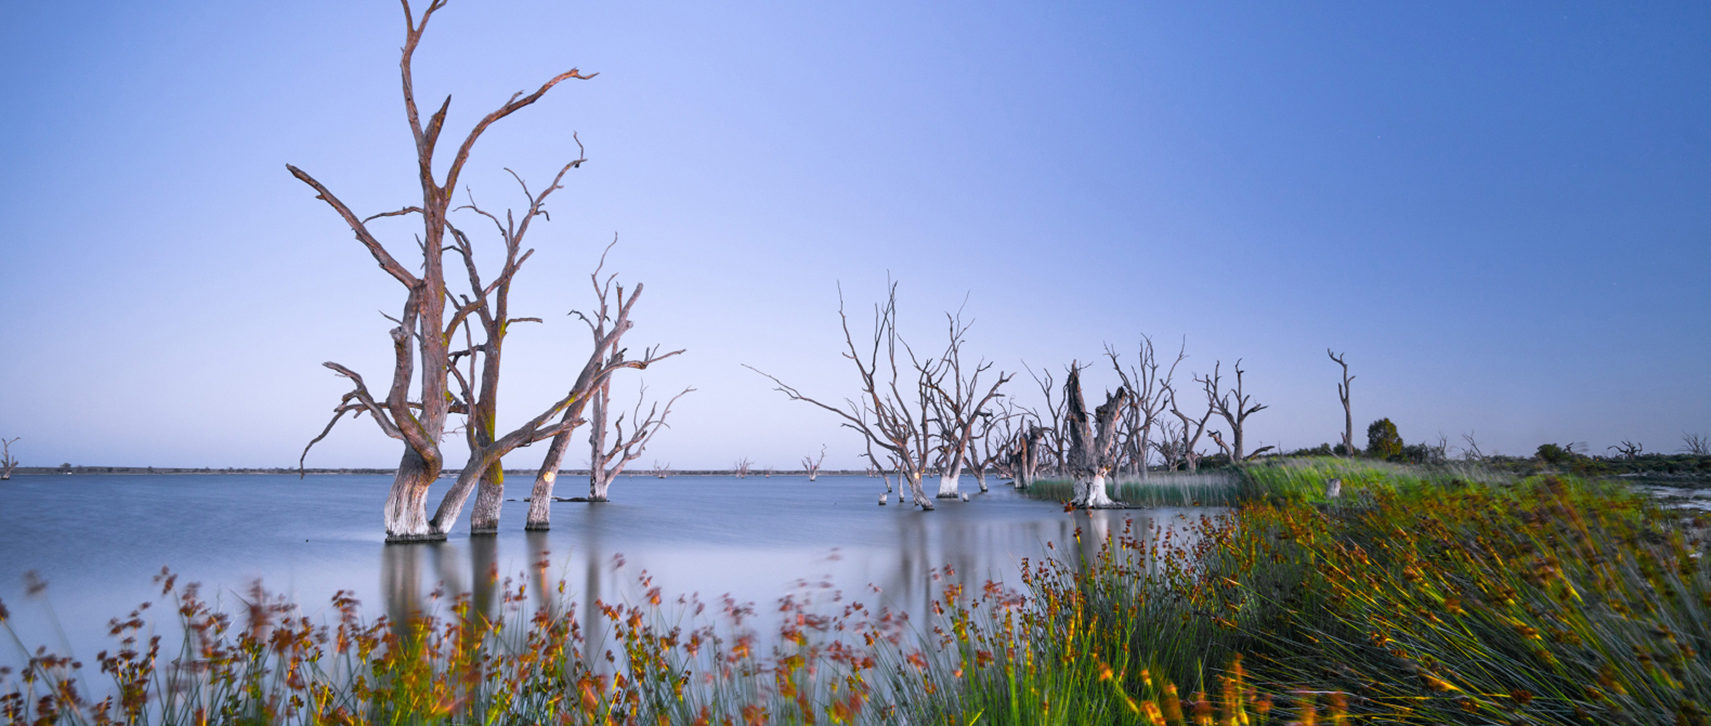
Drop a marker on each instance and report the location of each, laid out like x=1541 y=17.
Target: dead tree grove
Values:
x=421 y=340
x=894 y=408
x=1146 y=404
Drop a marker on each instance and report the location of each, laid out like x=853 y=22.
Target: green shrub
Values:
x=1382 y=441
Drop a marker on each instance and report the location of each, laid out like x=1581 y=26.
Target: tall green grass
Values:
x=1170 y=489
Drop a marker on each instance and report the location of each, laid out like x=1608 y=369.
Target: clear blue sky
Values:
x=1500 y=211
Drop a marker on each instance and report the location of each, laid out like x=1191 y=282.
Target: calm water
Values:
x=98 y=540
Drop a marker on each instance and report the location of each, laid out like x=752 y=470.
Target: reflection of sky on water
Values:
x=98 y=540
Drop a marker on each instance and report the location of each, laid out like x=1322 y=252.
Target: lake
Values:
x=99 y=540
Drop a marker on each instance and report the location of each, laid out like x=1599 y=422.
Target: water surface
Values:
x=98 y=540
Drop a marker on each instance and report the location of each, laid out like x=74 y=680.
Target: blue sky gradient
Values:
x=1501 y=212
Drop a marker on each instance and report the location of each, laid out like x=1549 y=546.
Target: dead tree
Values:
x=741 y=468
x=1092 y=456
x=1169 y=445
x=1471 y=452
x=956 y=405
x=989 y=448
x=1629 y=450
x=421 y=341
x=891 y=412
x=1192 y=429
x=1695 y=444
x=811 y=465
x=1025 y=456
x=660 y=470
x=1147 y=402
x=1053 y=438
x=7 y=463
x=606 y=463
x=1343 y=395
x=606 y=327
x=487 y=308
x=1236 y=416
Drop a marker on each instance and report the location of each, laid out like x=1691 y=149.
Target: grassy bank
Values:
x=1300 y=479
x=1421 y=597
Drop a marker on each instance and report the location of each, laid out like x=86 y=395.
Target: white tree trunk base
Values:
x=1094 y=496
x=884 y=497
x=948 y=487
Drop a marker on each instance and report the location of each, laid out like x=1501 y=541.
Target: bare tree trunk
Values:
x=1343 y=395
x=7 y=463
x=917 y=493
x=598 y=480
x=484 y=517
x=407 y=502
x=541 y=495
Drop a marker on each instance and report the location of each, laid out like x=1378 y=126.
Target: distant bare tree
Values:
x=606 y=328
x=811 y=465
x=1343 y=395
x=742 y=467
x=891 y=411
x=606 y=463
x=989 y=450
x=1629 y=450
x=1471 y=451
x=1025 y=455
x=1169 y=445
x=421 y=341
x=1235 y=415
x=7 y=463
x=660 y=469
x=1053 y=439
x=1695 y=444
x=956 y=405
x=1146 y=403
x=1187 y=448
x=1092 y=456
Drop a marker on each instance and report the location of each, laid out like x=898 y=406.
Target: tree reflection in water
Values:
x=904 y=567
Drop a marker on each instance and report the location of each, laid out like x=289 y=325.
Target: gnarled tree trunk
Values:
x=1091 y=457
x=407 y=501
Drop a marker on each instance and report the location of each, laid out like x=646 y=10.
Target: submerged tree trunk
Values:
x=484 y=518
x=917 y=492
x=407 y=502
x=541 y=495
x=948 y=483
x=7 y=463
